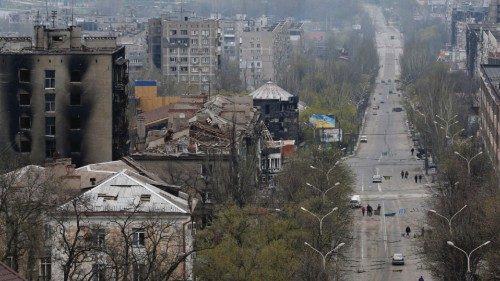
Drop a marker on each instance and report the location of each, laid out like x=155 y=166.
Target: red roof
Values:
x=8 y=274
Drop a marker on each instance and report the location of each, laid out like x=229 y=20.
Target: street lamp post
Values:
x=448 y=220
x=456 y=134
x=469 y=276
x=446 y=123
x=320 y=220
x=468 y=160
x=327 y=172
x=325 y=256
x=323 y=193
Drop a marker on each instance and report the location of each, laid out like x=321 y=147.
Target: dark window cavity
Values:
x=50 y=126
x=24 y=75
x=24 y=98
x=24 y=145
x=76 y=76
x=75 y=99
x=25 y=122
x=50 y=79
x=75 y=146
x=50 y=102
x=57 y=38
x=50 y=148
x=75 y=123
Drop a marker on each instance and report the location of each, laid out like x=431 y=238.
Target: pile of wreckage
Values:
x=221 y=121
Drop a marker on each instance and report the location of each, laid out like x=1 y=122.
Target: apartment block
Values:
x=264 y=53
x=186 y=49
x=63 y=95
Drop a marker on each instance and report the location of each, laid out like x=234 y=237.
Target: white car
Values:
x=377 y=178
x=363 y=139
x=398 y=259
x=355 y=201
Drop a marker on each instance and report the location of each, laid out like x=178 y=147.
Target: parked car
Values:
x=398 y=259
x=363 y=138
x=355 y=201
x=397 y=109
x=377 y=178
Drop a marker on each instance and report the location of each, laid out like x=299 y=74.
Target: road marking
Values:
x=385 y=229
x=379 y=188
x=362 y=183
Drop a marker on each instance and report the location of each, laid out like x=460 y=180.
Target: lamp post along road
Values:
x=325 y=256
x=448 y=220
x=323 y=193
x=446 y=123
x=469 y=276
x=468 y=160
x=326 y=172
x=319 y=219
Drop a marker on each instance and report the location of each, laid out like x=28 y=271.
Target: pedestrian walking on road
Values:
x=402 y=174
x=369 y=209
x=412 y=150
x=421 y=278
x=363 y=210
x=416 y=178
x=408 y=230
x=406 y=174
x=420 y=178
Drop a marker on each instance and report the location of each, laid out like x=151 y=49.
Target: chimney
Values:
x=92 y=181
x=40 y=38
x=75 y=33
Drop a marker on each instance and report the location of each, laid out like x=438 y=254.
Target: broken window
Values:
x=50 y=148
x=24 y=98
x=24 y=145
x=75 y=146
x=25 y=122
x=74 y=123
x=50 y=79
x=75 y=98
x=76 y=76
x=24 y=75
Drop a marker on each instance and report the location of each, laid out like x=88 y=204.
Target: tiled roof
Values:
x=270 y=91
x=8 y=274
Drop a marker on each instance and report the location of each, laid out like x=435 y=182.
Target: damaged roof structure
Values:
x=212 y=129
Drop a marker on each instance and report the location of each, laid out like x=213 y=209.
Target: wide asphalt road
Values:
x=387 y=153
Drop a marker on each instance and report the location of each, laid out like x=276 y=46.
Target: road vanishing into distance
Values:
x=387 y=153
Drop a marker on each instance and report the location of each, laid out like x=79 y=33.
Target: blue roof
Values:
x=144 y=83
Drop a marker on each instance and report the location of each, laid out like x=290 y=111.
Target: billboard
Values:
x=322 y=121
x=330 y=135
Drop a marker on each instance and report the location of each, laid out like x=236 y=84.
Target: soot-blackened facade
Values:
x=279 y=109
x=63 y=96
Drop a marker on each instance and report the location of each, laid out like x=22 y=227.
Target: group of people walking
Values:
x=405 y=174
x=369 y=210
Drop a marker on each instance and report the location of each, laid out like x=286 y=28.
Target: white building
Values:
x=129 y=224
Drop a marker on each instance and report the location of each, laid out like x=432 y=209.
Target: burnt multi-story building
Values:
x=279 y=109
x=62 y=95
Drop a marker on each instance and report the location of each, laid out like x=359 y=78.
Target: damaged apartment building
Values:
x=63 y=95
